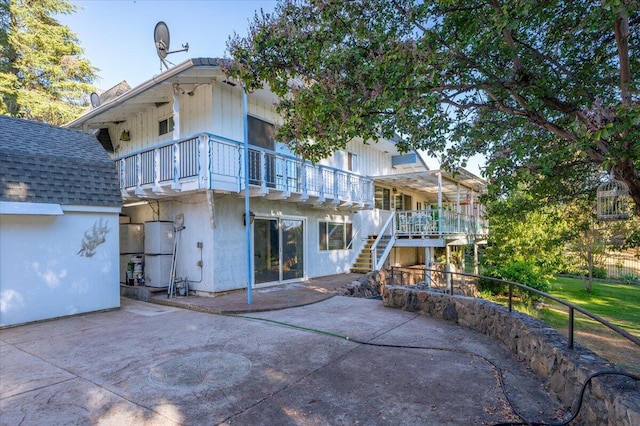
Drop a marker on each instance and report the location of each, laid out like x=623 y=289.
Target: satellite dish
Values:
x=162 y=39
x=95 y=100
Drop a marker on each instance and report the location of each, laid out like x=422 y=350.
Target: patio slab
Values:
x=161 y=365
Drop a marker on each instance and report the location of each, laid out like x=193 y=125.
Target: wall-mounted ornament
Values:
x=125 y=136
x=93 y=237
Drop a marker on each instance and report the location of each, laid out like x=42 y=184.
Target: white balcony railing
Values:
x=207 y=161
x=438 y=222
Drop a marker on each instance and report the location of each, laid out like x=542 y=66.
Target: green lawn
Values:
x=616 y=303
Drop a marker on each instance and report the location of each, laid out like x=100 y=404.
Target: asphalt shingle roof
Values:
x=40 y=163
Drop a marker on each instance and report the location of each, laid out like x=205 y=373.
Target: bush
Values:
x=630 y=279
x=486 y=285
x=599 y=272
x=521 y=272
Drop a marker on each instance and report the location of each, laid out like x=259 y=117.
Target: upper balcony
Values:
x=210 y=162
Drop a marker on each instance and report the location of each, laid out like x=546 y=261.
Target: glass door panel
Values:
x=292 y=248
x=266 y=250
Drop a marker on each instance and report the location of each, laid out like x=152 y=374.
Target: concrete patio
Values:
x=317 y=364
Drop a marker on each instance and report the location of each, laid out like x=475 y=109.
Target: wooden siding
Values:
x=217 y=108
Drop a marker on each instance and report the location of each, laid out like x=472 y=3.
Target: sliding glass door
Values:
x=278 y=249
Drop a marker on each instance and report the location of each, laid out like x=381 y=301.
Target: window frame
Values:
x=326 y=228
x=384 y=202
x=170 y=125
x=352 y=162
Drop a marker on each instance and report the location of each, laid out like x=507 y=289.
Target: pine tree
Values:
x=43 y=75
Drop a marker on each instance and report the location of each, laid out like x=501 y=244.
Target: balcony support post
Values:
x=204 y=163
x=303 y=178
x=263 y=174
x=175 y=184
x=157 y=189
x=440 y=204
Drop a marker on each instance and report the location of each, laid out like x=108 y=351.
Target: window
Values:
x=382 y=198
x=352 y=160
x=165 y=126
x=261 y=133
x=403 y=202
x=334 y=235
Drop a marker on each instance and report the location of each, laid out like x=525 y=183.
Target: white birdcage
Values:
x=614 y=202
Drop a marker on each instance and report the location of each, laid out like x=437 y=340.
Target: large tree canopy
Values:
x=547 y=90
x=42 y=73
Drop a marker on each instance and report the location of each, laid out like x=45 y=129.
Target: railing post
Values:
x=242 y=170
x=285 y=175
x=123 y=175
x=156 y=169
x=176 y=167
x=263 y=166
x=303 y=180
x=510 y=297
x=571 y=327
x=320 y=172
x=204 y=163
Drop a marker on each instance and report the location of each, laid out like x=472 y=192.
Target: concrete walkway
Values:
x=263 y=299
x=163 y=365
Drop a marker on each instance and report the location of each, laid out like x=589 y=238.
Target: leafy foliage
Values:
x=521 y=231
x=42 y=73
x=545 y=89
x=521 y=272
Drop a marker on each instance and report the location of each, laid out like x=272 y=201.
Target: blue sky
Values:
x=117 y=35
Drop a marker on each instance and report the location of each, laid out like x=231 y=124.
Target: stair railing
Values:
x=388 y=229
x=354 y=236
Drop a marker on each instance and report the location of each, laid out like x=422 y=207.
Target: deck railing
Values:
x=438 y=222
x=211 y=162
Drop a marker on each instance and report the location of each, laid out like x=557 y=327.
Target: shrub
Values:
x=630 y=279
x=599 y=272
x=521 y=272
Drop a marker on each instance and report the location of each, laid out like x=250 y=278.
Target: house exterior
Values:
x=178 y=143
x=59 y=208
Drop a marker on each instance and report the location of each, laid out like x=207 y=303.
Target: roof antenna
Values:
x=162 y=39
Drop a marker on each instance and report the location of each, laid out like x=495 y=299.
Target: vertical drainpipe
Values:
x=247 y=212
x=440 y=204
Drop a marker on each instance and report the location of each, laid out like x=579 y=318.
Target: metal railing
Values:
x=430 y=281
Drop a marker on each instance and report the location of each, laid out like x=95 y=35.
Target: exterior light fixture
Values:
x=252 y=217
x=125 y=136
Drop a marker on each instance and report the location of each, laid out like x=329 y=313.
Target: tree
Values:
x=522 y=233
x=547 y=90
x=43 y=75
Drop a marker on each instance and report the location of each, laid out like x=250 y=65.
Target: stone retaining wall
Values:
x=609 y=400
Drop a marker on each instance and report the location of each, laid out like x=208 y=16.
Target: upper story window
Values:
x=261 y=133
x=352 y=162
x=165 y=126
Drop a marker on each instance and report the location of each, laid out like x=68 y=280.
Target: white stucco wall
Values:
x=198 y=228
x=44 y=273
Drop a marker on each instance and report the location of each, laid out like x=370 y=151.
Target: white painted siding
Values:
x=371 y=160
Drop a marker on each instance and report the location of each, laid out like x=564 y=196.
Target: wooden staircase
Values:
x=364 y=262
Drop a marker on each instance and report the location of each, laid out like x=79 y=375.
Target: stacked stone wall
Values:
x=609 y=400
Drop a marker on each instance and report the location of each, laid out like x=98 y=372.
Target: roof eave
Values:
x=154 y=81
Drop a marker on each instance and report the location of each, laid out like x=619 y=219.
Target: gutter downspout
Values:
x=247 y=212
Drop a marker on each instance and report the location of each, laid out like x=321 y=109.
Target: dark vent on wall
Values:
x=105 y=140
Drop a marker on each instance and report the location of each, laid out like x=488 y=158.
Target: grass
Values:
x=617 y=303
